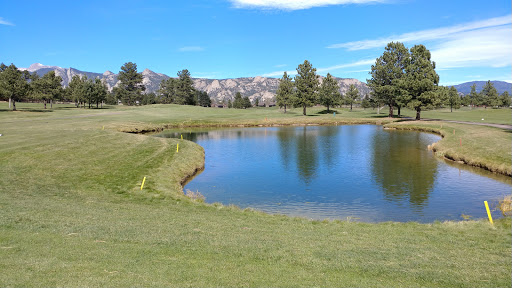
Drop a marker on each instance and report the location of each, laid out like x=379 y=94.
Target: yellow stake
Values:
x=144 y=180
x=177 y=147
x=103 y=128
x=488 y=212
x=181 y=136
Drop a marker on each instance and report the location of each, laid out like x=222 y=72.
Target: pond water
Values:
x=355 y=172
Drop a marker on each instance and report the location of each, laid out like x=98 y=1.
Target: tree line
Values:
x=17 y=85
x=401 y=77
x=407 y=78
x=305 y=90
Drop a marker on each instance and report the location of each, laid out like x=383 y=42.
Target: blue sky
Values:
x=469 y=40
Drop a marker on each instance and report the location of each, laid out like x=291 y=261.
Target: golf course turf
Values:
x=72 y=212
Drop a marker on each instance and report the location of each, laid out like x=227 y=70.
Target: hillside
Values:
x=219 y=90
x=501 y=86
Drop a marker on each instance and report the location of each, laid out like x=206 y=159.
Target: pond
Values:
x=355 y=172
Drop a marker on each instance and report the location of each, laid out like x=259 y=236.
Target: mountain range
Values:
x=221 y=90
x=501 y=86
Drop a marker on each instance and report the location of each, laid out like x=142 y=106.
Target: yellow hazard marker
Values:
x=178 y=147
x=181 y=136
x=488 y=212
x=143 y=181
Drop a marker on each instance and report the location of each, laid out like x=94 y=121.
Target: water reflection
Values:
x=401 y=168
x=339 y=172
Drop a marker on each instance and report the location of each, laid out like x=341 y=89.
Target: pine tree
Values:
x=285 y=95
x=386 y=74
x=130 y=86
x=13 y=84
x=246 y=102
x=473 y=96
x=47 y=88
x=167 y=90
x=505 y=99
x=352 y=95
x=420 y=80
x=75 y=87
x=185 y=90
x=100 y=92
x=203 y=99
x=329 y=94
x=490 y=95
x=306 y=82
x=453 y=99
x=238 y=102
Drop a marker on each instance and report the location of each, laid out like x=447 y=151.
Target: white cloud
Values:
x=425 y=35
x=366 y=62
x=489 y=47
x=5 y=22
x=279 y=73
x=296 y=4
x=191 y=49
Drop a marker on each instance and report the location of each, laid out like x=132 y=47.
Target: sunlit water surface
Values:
x=355 y=172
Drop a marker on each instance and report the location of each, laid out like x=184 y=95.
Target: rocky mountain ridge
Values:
x=219 y=90
x=501 y=86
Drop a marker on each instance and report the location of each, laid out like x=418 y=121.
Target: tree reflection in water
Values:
x=400 y=170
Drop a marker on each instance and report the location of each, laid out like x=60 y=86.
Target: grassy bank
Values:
x=485 y=147
x=72 y=213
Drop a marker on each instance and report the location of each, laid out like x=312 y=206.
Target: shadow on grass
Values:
x=26 y=110
x=327 y=112
x=53 y=109
x=380 y=116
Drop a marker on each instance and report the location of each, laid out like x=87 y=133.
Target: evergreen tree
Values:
x=420 y=80
x=505 y=99
x=285 y=94
x=185 y=90
x=256 y=102
x=230 y=105
x=246 y=102
x=149 y=98
x=47 y=88
x=306 y=82
x=238 y=102
x=75 y=89
x=130 y=84
x=203 y=99
x=452 y=98
x=352 y=95
x=366 y=102
x=386 y=75
x=13 y=84
x=489 y=95
x=473 y=96
x=329 y=94
x=100 y=92
x=168 y=90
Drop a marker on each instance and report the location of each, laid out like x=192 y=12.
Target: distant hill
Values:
x=262 y=88
x=501 y=86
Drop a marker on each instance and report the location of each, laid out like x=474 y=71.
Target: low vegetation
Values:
x=72 y=212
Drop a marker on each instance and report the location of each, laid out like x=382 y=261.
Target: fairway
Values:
x=72 y=212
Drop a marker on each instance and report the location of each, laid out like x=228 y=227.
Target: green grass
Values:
x=486 y=147
x=489 y=115
x=72 y=212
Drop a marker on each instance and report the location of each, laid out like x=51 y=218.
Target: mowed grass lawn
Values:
x=72 y=212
